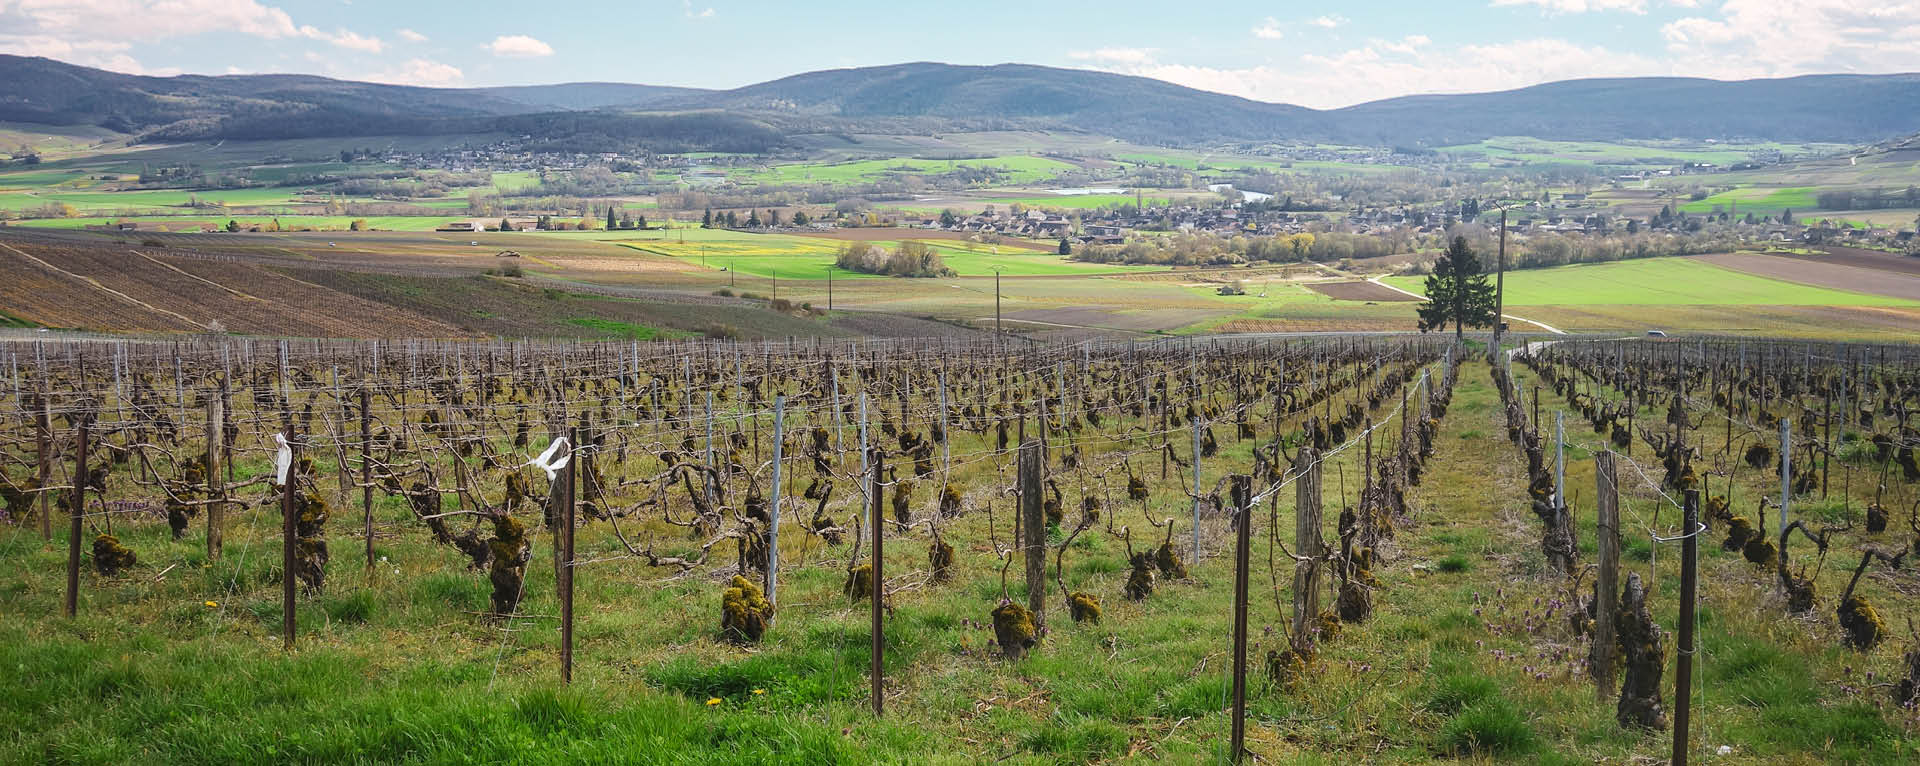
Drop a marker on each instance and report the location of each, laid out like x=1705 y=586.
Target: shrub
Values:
x=912 y=259
x=1491 y=726
x=724 y=292
x=1455 y=563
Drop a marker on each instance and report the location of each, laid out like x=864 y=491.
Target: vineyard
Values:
x=1389 y=549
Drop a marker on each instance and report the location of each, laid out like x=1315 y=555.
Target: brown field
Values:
x=1849 y=322
x=1858 y=273
x=170 y=293
x=894 y=234
x=1360 y=291
x=1870 y=259
x=300 y=287
x=1315 y=325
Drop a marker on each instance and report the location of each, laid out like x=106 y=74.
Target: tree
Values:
x=773 y=218
x=947 y=218
x=612 y=223
x=1457 y=292
x=1066 y=248
x=800 y=218
x=233 y=225
x=506 y=225
x=706 y=221
x=359 y=224
x=753 y=219
x=733 y=221
x=640 y=222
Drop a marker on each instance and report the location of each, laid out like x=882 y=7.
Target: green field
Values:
x=1661 y=282
x=786 y=257
x=287 y=222
x=1021 y=170
x=1674 y=152
x=1757 y=199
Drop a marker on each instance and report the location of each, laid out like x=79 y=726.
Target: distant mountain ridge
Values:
x=929 y=97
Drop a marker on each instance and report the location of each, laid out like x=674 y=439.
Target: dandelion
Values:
x=759 y=691
x=213 y=604
x=711 y=701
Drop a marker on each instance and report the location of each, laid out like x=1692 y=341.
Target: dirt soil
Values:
x=893 y=234
x=1836 y=271
x=1360 y=291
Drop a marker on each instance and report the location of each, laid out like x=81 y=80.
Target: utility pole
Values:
x=996 y=304
x=1500 y=287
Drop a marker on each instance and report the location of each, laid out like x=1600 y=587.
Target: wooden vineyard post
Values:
x=1307 y=545
x=366 y=467
x=1033 y=526
x=566 y=565
x=1166 y=430
x=1683 y=659
x=78 y=508
x=1607 y=579
x=773 y=506
x=1196 y=492
x=875 y=514
x=216 y=431
x=46 y=461
x=289 y=511
x=1243 y=508
x=1786 y=471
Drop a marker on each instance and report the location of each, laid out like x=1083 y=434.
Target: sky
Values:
x=1316 y=53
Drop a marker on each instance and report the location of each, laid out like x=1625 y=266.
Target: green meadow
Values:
x=1661 y=282
x=1758 y=199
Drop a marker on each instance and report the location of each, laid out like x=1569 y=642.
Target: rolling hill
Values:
x=921 y=98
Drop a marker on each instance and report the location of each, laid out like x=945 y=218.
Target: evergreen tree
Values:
x=233 y=225
x=706 y=221
x=800 y=218
x=640 y=222
x=1457 y=292
x=753 y=219
x=506 y=225
x=611 y=222
x=1066 y=248
x=947 y=218
x=773 y=218
x=733 y=220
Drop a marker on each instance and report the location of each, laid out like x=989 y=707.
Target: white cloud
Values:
x=1387 y=68
x=411 y=36
x=1269 y=30
x=141 y=19
x=1777 y=38
x=99 y=32
x=1583 y=6
x=345 y=39
x=686 y=8
x=422 y=72
x=1330 y=21
x=1121 y=56
x=519 y=46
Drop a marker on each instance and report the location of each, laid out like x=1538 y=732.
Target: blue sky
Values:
x=1320 y=54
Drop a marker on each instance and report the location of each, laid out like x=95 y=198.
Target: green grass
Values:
x=1759 y=200
x=1020 y=170
x=623 y=330
x=1661 y=282
x=392 y=666
x=810 y=258
x=287 y=222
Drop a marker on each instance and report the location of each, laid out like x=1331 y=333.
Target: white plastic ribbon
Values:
x=282 y=459
x=552 y=460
